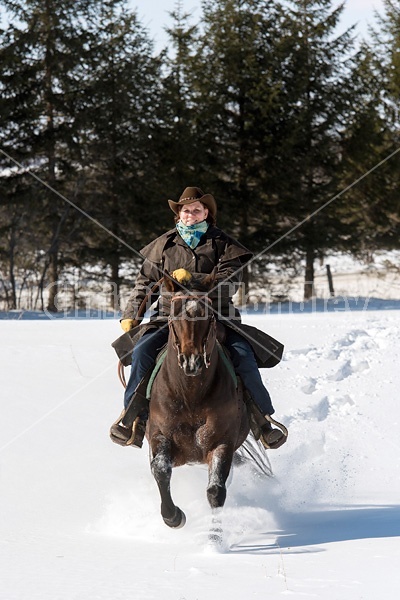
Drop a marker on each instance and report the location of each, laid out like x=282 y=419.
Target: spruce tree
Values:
x=236 y=95
x=381 y=210
x=179 y=147
x=42 y=49
x=80 y=94
x=368 y=207
x=386 y=43
x=118 y=135
x=372 y=207
x=317 y=79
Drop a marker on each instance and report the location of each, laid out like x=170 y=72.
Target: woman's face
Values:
x=193 y=213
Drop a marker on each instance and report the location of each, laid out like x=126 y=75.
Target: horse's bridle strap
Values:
x=191 y=297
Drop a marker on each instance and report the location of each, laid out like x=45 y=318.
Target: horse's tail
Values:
x=254 y=452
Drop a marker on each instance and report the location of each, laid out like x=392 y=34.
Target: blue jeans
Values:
x=242 y=355
x=143 y=358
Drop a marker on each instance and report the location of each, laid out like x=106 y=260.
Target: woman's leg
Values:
x=245 y=365
x=130 y=427
x=143 y=357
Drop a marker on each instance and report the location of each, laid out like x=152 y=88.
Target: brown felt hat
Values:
x=194 y=194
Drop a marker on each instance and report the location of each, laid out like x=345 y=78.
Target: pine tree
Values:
x=386 y=43
x=317 y=75
x=42 y=49
x=369 y=206
x=380 y=228
x=80 y=98
x=179 y=149
x=236 y=95
x=118 y=134
x=372 y=207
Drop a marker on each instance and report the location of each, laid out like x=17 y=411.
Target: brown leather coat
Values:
x=169 y=252
x=216 y=249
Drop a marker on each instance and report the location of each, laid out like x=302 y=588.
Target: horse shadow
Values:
x=304 y=532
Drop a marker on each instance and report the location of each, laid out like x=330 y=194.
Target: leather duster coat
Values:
x=215 y=249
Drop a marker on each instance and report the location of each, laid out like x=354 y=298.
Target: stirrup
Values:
x=119 y=433
x=138 y=433
x=275 y=438
x=127 y=436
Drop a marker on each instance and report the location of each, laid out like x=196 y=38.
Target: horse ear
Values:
x=169 y=283
x=209 y=280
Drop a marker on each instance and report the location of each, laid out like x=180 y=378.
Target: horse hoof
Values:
x=216 y=495
x=178 y=520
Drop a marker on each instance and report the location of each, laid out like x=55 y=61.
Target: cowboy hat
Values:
x=194 y=194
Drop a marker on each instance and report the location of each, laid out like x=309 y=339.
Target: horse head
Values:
x=192 y=325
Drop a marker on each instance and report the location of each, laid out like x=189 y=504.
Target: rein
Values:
x=121 y=373
x=142 y=307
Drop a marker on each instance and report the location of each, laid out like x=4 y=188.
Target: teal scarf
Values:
x=191 y=234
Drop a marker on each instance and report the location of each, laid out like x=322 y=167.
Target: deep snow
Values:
x=79 y=516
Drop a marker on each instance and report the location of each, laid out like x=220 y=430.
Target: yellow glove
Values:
x=128 y=324
x=181 y=275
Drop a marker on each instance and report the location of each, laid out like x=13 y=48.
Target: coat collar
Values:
x=155 y=249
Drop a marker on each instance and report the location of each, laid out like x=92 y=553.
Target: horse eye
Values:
x=176 y=309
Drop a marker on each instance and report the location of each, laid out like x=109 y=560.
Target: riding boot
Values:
x=130 y=427
x=261 y=426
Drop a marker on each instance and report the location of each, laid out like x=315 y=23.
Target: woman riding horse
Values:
x=191 y=251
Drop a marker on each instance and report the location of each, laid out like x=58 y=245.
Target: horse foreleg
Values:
x=219 y=465
x=161 y=467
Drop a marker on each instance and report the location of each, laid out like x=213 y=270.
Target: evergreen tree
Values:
x=236 y=94
x=42 y=48
x=317 y=79
x=386 y=42
x=380 y=227
x=179 y=149
x=370 y=206
x=118 y=135
x=80 y=94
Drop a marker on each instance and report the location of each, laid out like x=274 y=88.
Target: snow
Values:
x=352 y=278
x=79 y=516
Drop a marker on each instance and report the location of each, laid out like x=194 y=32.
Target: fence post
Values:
x=330 y=280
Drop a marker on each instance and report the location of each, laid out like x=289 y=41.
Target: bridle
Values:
x=207 y=346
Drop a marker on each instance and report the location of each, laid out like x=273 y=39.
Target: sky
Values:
x=154 y=14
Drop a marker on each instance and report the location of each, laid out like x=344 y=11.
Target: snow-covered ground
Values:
x=79 y=516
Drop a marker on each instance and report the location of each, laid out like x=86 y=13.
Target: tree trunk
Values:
x=53 y=266
x=6 y=295
x=51 y=156
x=309 y=291
x=115 y=282
x=13 y=303
x=52 y=273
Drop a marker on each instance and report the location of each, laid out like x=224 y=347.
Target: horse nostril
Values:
x=193 y=365
x=199 y=361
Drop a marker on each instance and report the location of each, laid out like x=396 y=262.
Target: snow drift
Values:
x=79 y=516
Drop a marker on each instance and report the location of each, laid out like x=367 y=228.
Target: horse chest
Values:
x=191 y=444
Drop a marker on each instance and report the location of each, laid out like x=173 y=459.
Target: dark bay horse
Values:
x=197 y=415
